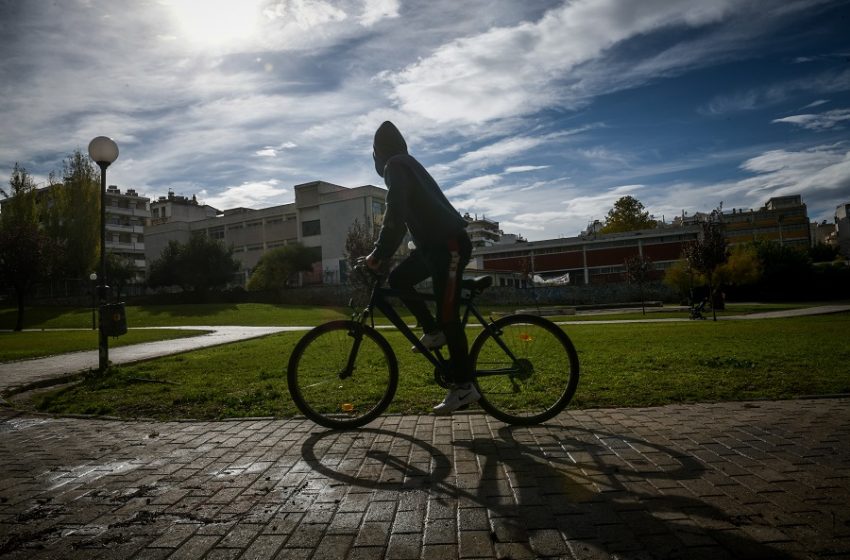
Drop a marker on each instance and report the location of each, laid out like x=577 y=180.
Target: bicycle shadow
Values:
x=594 y=489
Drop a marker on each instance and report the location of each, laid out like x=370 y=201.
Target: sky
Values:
x=537 y=114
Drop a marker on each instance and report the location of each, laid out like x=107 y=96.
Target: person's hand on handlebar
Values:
x=373 y=262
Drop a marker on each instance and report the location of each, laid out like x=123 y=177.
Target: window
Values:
x=311 y=227
x=217 y=233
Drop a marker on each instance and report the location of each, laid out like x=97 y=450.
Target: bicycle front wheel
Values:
x=528 y=372
x=342 y=374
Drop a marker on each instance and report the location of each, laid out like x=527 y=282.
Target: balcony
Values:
x=125 y=228
x=125 y=247
x=119 y=211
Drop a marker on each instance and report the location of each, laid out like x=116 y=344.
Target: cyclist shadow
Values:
x=603 y=493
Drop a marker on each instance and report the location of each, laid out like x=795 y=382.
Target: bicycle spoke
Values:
x=329 y=398
x=541 y=370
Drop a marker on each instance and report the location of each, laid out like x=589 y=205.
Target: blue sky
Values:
x=538 y=114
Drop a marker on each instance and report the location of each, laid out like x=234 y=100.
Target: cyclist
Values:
x=416 y=204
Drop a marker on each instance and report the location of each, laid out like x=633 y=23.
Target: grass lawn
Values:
x=262 y=314
x=639 y=364
x=29 y=344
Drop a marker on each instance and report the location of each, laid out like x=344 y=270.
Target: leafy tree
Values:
x=197 y=266
x=163 y=272
x=681 y=277
x=628 y=214
x=277 y=267
x=638 y=269
x=119 y=272
x=73 y=217
x=823 y=253
x=707 y=254
x=742 y=268
x=25 y=250
x=785 y=269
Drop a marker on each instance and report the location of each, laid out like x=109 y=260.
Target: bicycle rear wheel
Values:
x=342 y=374
x=540 y=379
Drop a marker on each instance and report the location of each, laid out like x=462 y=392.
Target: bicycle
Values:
x=344 y=374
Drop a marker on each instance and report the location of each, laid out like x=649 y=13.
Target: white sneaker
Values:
x=458 y=396
x=431 y=341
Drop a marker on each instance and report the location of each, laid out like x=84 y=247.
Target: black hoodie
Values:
x=415 y=202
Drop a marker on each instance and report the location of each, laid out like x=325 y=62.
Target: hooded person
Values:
x=415 y=204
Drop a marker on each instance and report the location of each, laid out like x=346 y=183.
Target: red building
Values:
x=593 y=258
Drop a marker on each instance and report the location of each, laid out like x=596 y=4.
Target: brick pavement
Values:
x=729 y=480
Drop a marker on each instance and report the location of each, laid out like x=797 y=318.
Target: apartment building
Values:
x=842 y=227
x=127 y=215
x=482 y=232
x=782 y=219
x=319 y=218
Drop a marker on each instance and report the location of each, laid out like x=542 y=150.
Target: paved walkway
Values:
x=732 y=480
x=26 y=372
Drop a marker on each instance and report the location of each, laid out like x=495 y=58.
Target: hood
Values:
x=388 y=143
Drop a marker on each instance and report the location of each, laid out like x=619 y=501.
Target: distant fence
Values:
x=338 y=295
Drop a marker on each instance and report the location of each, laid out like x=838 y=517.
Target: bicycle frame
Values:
x=379 y=300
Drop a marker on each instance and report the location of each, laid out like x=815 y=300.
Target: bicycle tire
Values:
x=549 y=370
x=342 y=403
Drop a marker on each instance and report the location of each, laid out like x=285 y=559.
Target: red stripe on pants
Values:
x=452 y=281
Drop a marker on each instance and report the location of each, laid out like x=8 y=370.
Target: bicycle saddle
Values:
x=477 y=285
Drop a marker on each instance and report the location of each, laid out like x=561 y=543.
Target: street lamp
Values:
x=103 y=151
x=93 y=278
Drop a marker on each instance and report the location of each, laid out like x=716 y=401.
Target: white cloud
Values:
x=749 y=100
x=377 y=10
x=475 y=184
x=511 y=71
x=816 y=103
x=820 y=121
x=524 y=168
x=254 y=194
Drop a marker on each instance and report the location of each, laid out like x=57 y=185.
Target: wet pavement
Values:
x=728 y=480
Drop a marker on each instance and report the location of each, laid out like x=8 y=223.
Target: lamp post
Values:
x=93 y=278
x=103 y=151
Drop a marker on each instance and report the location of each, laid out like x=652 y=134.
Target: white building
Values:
x=127 y=215
x=319 y=218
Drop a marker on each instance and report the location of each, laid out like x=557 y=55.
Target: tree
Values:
x=785 y=269
x=628 y=214
x=707 y=254
x=197 y=266
x=822 y=252
x=359 y=242
x=163 y=271
x=73 y=217
x=25 y=250
x=277 y=267
x=638 y=269
x=119 y=272
x=681 y=277
x=742 y=268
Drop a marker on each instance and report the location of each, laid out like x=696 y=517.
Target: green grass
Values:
x=261 y=315
x=29 y=344
x=638 y=364
x=243 y=314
